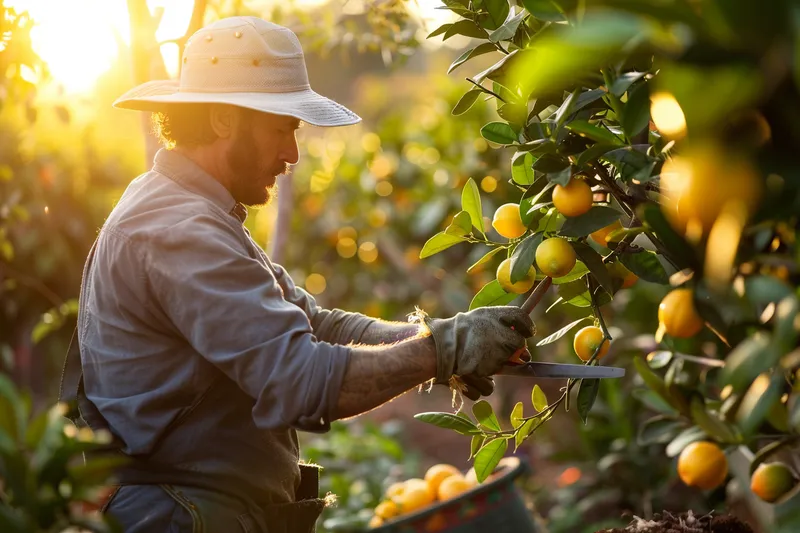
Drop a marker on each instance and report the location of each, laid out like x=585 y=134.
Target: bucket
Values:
x=494 y=506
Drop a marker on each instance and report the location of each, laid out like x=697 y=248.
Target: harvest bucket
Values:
x=494 y=506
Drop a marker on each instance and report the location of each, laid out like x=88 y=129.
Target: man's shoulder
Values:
x=155 y=206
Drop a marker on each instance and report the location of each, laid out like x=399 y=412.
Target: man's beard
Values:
x=252 y=184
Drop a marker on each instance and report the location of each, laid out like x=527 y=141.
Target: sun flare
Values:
x=80 y=40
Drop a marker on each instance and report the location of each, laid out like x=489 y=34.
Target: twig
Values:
x=484 y=89
x=35 y=284
x=598 y=314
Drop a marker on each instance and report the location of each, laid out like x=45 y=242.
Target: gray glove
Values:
x=476 y=344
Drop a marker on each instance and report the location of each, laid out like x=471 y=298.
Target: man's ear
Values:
x=222 y=119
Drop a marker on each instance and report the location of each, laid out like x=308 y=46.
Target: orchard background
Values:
x=653 y=142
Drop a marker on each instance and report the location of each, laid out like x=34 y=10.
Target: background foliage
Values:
x=555 y=89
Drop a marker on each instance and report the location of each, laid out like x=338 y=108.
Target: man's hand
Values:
x=476 y=344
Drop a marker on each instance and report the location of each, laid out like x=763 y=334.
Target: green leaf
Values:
x=660 y=429
x=475 y=445
x=471 y=203
x=629 y=161
x=526 y=429
x=437 y=243
x=522 y=258
x=481 y=49
x=466 y=102
x=485 y=259
x=541 y=191
x=560 y=177
x=712 y=425
x=577 y=272
x=485 y=416
x=645 y=174
x=654 y=401
x=456 y=6
x=785 y=332
x=758 y=403
x=551 y=163
x=547 y=10
x=497 y=70
x=636 y=113
x=646 y=265
x=652 y=380
x=522 y=168
x=560 y=333
x=488 y=457
x=566 y=107
x=491 y=294
x=586 y=98
x=461 y=225
x=659 y=359
x=750 y=358
x=516 y=415
x=763 y=290
x=683 y=439
x=591 y=154
x=440 y=30
x=507 y=31
x=499 y=133
x=538 y=399
x=587 y=394
x=466 y=28
x=448 y=421
x=575 y=293
x=768 y=451
x=596 y=218
x=621 y=84
x=594 y=263
x=498 y=13
x=679 y=250
x=594 y=132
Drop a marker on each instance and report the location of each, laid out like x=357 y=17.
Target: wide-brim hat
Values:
x=246 y=62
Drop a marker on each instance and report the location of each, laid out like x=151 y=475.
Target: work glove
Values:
x=476 y=344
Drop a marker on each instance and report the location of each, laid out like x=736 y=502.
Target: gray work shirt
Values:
x=177 y=283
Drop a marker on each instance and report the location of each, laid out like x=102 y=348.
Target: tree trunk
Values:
x=148 y=64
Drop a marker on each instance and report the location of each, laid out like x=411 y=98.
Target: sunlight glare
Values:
x=73 y=38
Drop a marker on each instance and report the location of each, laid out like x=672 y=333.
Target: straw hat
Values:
x=246 y=62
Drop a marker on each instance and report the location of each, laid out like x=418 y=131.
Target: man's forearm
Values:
x=383 y=332
x=376 y=374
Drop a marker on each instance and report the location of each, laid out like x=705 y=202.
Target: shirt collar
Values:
x=184 y=171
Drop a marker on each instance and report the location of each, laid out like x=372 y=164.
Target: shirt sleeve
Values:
x=330 y=325
x=231 y=309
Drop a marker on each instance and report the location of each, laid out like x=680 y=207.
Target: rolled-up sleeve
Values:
x=231 y=309
x=330 y=325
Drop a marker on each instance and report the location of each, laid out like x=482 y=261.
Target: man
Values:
x=198 y=353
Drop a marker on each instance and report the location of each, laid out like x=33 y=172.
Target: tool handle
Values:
x=536 y=296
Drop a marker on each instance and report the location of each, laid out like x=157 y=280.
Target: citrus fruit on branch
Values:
x=587 y=341
x=574 y=199
x=678 y=315
x=555 y=257
x=771 y=481
x=508 y=222
x=520 y=287
x=703 y=464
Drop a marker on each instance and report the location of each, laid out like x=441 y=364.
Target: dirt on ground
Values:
x=684 y=523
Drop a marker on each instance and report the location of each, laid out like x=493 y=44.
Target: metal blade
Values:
x=560 y=370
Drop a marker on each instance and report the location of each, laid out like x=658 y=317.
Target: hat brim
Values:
x=305 y=105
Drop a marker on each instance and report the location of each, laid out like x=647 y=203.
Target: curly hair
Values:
x=183 y=125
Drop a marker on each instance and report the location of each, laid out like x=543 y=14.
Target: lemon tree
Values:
x=647 y=141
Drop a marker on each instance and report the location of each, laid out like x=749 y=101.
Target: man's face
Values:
x=262 y=147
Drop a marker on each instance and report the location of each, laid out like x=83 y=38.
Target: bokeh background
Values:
x=348 y=225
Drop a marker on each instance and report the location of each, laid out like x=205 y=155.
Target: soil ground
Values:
x=685 y=523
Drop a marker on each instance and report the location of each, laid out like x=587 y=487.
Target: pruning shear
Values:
x=518 y=367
